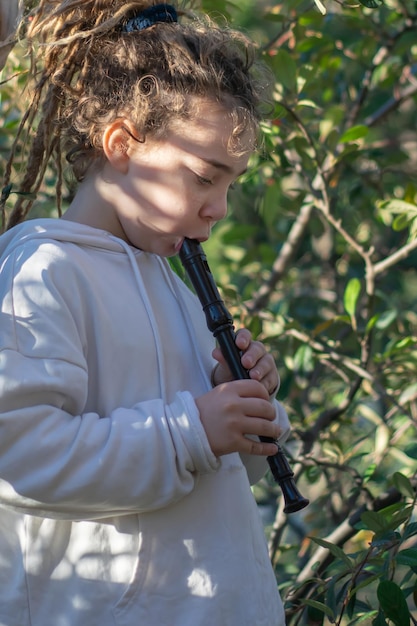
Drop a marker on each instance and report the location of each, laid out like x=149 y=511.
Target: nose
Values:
x=215 y=208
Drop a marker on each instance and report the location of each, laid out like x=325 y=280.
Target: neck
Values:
x=92 y=206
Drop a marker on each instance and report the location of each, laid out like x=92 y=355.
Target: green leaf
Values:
x=379 y=620
x=387 y=520
x=354 y=133
x=393 y=603
x=408 y=394
x=303 y=359
x=371 y=323
x=307 y=103
x=401 y=222
x=320 y=607
x=371 y=4
x=403 y=484
x=366 y=581
x=369 y=472
x=350 y=609
x=335 y=550
x=407 y=557
x=285 y=69
x=374 y=521
x=410 y=530
x=365 y=617
x=397 y=206
x=386 y=318
x=352 y=291
x=5 y=193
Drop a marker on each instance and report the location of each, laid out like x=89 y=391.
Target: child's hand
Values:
x=259 y=363
x=235 y=409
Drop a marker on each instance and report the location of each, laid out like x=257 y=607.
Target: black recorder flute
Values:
x=220 y=323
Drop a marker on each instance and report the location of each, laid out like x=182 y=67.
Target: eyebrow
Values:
x=224 y=167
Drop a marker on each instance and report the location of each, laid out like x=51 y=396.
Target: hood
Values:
x=54 y=229
x=58 y=230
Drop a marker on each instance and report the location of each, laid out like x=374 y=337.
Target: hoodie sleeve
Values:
x=58 y=462
x=256 y=466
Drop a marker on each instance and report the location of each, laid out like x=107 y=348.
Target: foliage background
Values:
x=318 y=257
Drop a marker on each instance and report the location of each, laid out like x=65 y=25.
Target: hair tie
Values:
x=152 y=15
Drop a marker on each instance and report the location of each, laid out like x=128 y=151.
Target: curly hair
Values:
x=88 y=71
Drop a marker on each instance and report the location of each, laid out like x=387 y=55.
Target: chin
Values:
x=168 y=254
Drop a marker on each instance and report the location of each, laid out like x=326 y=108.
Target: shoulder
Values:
x=30 y=241
x=49 y=247
x=33 y=262
x=40 y=273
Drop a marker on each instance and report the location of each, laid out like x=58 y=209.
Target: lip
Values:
x=178 y=245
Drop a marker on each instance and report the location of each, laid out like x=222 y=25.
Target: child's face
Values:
x=177 y=186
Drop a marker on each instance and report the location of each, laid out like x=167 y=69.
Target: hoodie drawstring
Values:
x=150 y=314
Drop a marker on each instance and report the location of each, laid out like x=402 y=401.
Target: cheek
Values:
x=153 y=197
x=166 y=198
x=175 y=199
x=166 y=207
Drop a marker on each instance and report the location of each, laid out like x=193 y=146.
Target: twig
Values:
x=398 y=255
x=283 y=260
x=322 y=556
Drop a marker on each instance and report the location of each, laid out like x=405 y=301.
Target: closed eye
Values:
x=203 y=181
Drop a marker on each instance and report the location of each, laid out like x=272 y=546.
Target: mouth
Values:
x=178 y=245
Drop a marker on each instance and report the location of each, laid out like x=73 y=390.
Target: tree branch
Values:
x=322 y=557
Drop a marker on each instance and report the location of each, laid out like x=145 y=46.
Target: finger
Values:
x=253 y=354
x=259 y=409
x=259 y=448
x=260 y=428
x=265 y=371
x=243 y=338
x=264 y=365
x=271 y=382
x=218 y=355
x=248 y=388
x=221 y=372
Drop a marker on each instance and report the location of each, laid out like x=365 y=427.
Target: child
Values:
x=125 y=465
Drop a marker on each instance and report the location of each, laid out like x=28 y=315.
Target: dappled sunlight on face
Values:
x=177 y=185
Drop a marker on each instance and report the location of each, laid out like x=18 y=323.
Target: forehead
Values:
x=212 y=126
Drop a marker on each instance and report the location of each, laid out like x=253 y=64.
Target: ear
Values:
x=116 y=142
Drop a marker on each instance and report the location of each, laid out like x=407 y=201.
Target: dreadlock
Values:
x=86 y=71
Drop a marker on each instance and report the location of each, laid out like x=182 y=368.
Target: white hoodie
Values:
x=113 y=509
